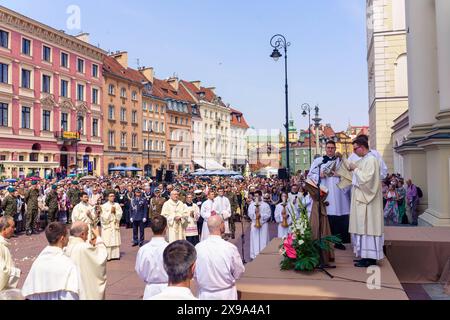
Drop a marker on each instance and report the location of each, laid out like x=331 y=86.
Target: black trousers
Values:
x=339 y=227
x=138 y=226
x=193 y=240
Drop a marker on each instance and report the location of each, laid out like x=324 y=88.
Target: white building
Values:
x=239 y=145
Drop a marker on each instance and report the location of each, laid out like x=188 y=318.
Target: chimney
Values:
x=197 y=84
x=149 y=73
x=122 y=58
x=213 y=89
x=174 y=83
x=83 y=37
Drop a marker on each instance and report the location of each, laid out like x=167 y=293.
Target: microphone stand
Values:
x=322 y=267
x=242 y=235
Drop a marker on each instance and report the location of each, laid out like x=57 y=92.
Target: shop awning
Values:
x=209 y=164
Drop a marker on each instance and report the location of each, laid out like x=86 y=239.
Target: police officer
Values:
x=74 y=197
x=51 y=201
x=32 y=202
x=138 y=217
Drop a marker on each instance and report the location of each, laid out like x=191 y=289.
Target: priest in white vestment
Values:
x=222 y=206
x=284 y=212
x=85 y=212
x=90 y=257
x=338 y=210
x=259 y=237
x=177 y=217
x=149 y=260
x=110 y=221
x=9 y=274
x=219 y=264
x=207 y=211
x=383 y=167
x=366 y=214
x=53 y=275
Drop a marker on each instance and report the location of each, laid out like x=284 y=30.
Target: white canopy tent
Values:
x=209 y=164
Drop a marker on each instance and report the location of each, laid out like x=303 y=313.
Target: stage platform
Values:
x=418 y=254
x=263 y=280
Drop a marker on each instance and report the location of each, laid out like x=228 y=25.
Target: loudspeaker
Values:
x=159 y=175
x=169 y=176
x=282 y=174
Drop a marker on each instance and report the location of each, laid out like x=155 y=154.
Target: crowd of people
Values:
x=192 y=223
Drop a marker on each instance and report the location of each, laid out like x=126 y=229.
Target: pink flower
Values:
x=290 y=251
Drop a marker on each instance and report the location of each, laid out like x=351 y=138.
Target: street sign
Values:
x=67 y=135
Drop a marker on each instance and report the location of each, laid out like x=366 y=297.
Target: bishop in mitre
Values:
x=110 y=221
x=177 y=217
x=366 y=213
x=90 y=257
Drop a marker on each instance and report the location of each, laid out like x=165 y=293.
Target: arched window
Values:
x=401 y=76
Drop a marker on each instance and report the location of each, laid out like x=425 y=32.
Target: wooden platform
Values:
x=263 y=280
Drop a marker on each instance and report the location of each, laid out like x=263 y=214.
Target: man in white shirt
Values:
x=207 y=211
x=259 y=212
x=219 y=264
x=9 y=274
x=222 y=206
x=179 y=262
x=53 y=276
x=149 y=260
x=91 y=258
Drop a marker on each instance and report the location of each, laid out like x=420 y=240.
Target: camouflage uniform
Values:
x=156 y=205
x=74 y=197
x=51 y=201
x=31 y=199
x=9 y=206
x=234 y=206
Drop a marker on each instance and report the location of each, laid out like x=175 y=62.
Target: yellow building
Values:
x=388 y=79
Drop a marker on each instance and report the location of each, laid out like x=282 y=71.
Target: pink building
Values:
x=50 y=83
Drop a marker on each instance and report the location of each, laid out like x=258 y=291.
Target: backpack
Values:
x=419 y=192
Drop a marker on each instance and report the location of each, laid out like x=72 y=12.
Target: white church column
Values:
x=443 y=55
x=422 y=65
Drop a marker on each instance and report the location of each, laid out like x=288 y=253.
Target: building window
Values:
x=112 y=138
x=134 y=117
x=3 y=115
x=123 y=140
x=4 y=39
x=156 y=108
x=123 y=93
x=163 y=146
x=95 y=127
x=144 y=125
x=162 y=127
x=65 y=121
x=156 y=126
x=64 y=60
x=64 y=88
x=26 y=79
x=80 y=92
x=21 y=158
x=134 y=141
x=123 y=114
x=46 y=80
x=80 y=65
x=46 y=120
x=111 y=90
x=46 y=54
x=95 y=96
x=134 y=95
x=144 y=106
x=150 y=107
x=95 y=71
x=4 y=73
x=80 y=124
x=150 y=125
x=145 y=145
x=26 y=47
x=150 y=144
x=111 y=112
x=156 y=145
x=26 y=117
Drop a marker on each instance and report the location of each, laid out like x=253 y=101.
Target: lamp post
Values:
x=148 y=151
x=307 y=112
x=278 y=41
x=317 y=120
x=77 y=139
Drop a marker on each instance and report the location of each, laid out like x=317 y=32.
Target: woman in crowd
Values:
x=391 y=212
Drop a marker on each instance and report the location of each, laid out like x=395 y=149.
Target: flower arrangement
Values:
x=300 y=252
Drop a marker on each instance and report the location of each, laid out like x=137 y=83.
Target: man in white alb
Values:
x=383 y=167
x=260 y=214
x=110 y=218
x=149 y=260
x=219 y=264
x=222 y=206
x=84 y=212
x=207 y=211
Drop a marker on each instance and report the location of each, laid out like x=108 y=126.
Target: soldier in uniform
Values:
x=199 y=199
x=108 y=191
x=51 y=201
x=232 y=196
x=32 y=202
x=74 y=198
x=156 y=204
x=9 y=204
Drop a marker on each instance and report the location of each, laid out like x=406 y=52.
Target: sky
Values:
x=226 y=44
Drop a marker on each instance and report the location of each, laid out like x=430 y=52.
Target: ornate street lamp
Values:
x=277 y=42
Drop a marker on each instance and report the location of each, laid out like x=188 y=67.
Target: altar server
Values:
x=110 y=220
x=260 y=214
x=219 y=264
x=338 y=209
x=53 y=276
x=206 y=212
x=284 y=211
x=149 y=260
x=177 y=217
x=366 y=215
x=222 y=206
x=84 y=212
x=90 y=257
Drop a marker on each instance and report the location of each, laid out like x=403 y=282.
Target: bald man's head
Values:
x=216 y=225
x=79 y=229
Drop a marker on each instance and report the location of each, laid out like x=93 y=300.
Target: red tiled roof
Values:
x=234 y=121
x=304 y=144
x=113 y=67
x=210 y=96
x=328 y=132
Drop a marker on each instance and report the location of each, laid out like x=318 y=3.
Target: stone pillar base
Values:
x=432 y=219
x=420 y=131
